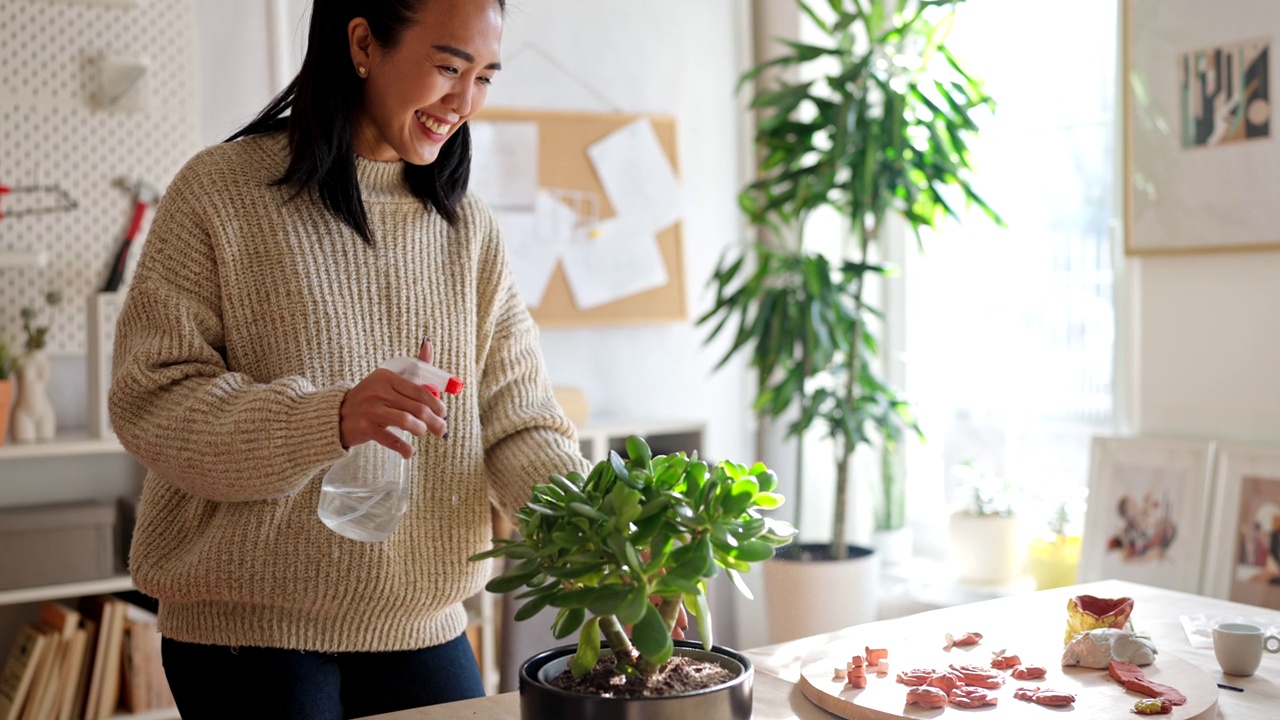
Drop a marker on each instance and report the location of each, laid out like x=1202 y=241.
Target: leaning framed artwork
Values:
x=1148 y=511
x=1243 y=563
x=1200 y=141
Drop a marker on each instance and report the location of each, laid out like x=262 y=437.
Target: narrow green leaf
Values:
x=588 y=652
x=532 y=607
x=567 y=621
x=739 y=583
x=702 y=611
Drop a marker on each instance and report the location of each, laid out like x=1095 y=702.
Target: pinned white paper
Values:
x=621 y=258
x=504 y=163
x=637 y=177
x=535 y=242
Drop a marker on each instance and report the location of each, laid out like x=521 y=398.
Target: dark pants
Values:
x=213 y=681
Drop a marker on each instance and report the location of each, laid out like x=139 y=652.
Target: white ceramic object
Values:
x=896 y=547
x=33 y=416
x=810 y=597
x=985 y=548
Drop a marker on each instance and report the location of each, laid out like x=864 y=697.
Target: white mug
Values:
x=1239 y=646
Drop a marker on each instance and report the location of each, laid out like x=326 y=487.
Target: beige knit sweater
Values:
x=249 y=317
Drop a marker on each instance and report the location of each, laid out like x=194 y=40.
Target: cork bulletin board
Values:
x=563 y=139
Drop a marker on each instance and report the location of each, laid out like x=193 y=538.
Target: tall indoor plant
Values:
x=870 y=121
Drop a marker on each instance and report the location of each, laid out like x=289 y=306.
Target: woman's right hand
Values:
x=383 y=401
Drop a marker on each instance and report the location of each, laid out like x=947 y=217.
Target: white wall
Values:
x=1205 y=345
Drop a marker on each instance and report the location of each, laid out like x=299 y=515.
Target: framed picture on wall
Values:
x=1200 y=138
x=1147 y=511
x=1243 y=562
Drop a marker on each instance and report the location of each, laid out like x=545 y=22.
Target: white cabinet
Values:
x=663 y=437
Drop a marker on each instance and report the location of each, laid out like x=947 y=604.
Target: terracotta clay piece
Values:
x=1029 y=672
x=969 y=638
x=971 y=697
x=1004 y=662
x=1132 y=677
x=978 y=676
x=915 y=677
x=945 y=681
x=926 y=696
x=1044 y=696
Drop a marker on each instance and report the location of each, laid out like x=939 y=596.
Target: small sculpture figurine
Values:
x=33 y=416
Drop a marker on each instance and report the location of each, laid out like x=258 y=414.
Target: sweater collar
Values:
x=382 y=180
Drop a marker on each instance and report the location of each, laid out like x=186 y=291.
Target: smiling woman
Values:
x=282 y=268
x=396 y=82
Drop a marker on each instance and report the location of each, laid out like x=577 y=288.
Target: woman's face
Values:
x=418 y=93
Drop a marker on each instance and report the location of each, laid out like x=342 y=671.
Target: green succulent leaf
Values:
x=567 y=621
x=588 y=652
x=651 y=637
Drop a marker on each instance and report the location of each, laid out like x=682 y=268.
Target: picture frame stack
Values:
x=1191 y=514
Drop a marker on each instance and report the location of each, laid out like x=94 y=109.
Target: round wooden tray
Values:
x=1098 y=697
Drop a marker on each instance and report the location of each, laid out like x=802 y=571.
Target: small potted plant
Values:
x=627 y=546
x=33 y=415
x=8 y=363
x=984 y=531
x=1054 y=557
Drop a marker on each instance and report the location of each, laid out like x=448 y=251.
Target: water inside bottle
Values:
x=364 y=495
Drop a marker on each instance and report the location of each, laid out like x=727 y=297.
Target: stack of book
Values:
x=85 y=663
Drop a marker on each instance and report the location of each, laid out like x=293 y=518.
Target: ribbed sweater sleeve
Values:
x=526 y=434
x=174 y=404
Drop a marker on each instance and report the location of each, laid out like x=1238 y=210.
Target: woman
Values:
x=330 y=234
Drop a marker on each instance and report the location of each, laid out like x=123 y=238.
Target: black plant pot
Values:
x=729 y=701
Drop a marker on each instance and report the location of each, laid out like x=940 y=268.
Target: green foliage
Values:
x=36 y=334
x=8 y=361
x=877 y=126
x=603 y=548
x=987 y=493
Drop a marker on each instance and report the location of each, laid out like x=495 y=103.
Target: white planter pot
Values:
x=895 y=547
x=985 y=549
x=808 y=597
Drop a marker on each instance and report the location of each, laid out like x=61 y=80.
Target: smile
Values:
x=432 y=124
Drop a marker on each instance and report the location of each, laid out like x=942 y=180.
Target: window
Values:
x=1008 y=334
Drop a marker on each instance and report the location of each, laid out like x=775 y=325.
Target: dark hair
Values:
x=324 y=97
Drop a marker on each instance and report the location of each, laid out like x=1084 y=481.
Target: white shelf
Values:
x=18 y=596
x=623 y=428
x=71 y=443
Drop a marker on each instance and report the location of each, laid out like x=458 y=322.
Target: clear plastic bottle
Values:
x=363 y=495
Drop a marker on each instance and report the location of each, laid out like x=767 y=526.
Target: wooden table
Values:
x=1156 y=611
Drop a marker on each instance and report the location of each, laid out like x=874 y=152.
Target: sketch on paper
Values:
x=1256 y=579
x=1225 y=93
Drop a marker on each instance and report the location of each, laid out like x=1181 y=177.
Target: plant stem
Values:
x=617 y=638
x=848 y=444
x=670 y=612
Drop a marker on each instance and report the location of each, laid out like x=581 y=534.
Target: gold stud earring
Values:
x=362 y=70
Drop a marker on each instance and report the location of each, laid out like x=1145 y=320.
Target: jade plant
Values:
x=633 y=542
